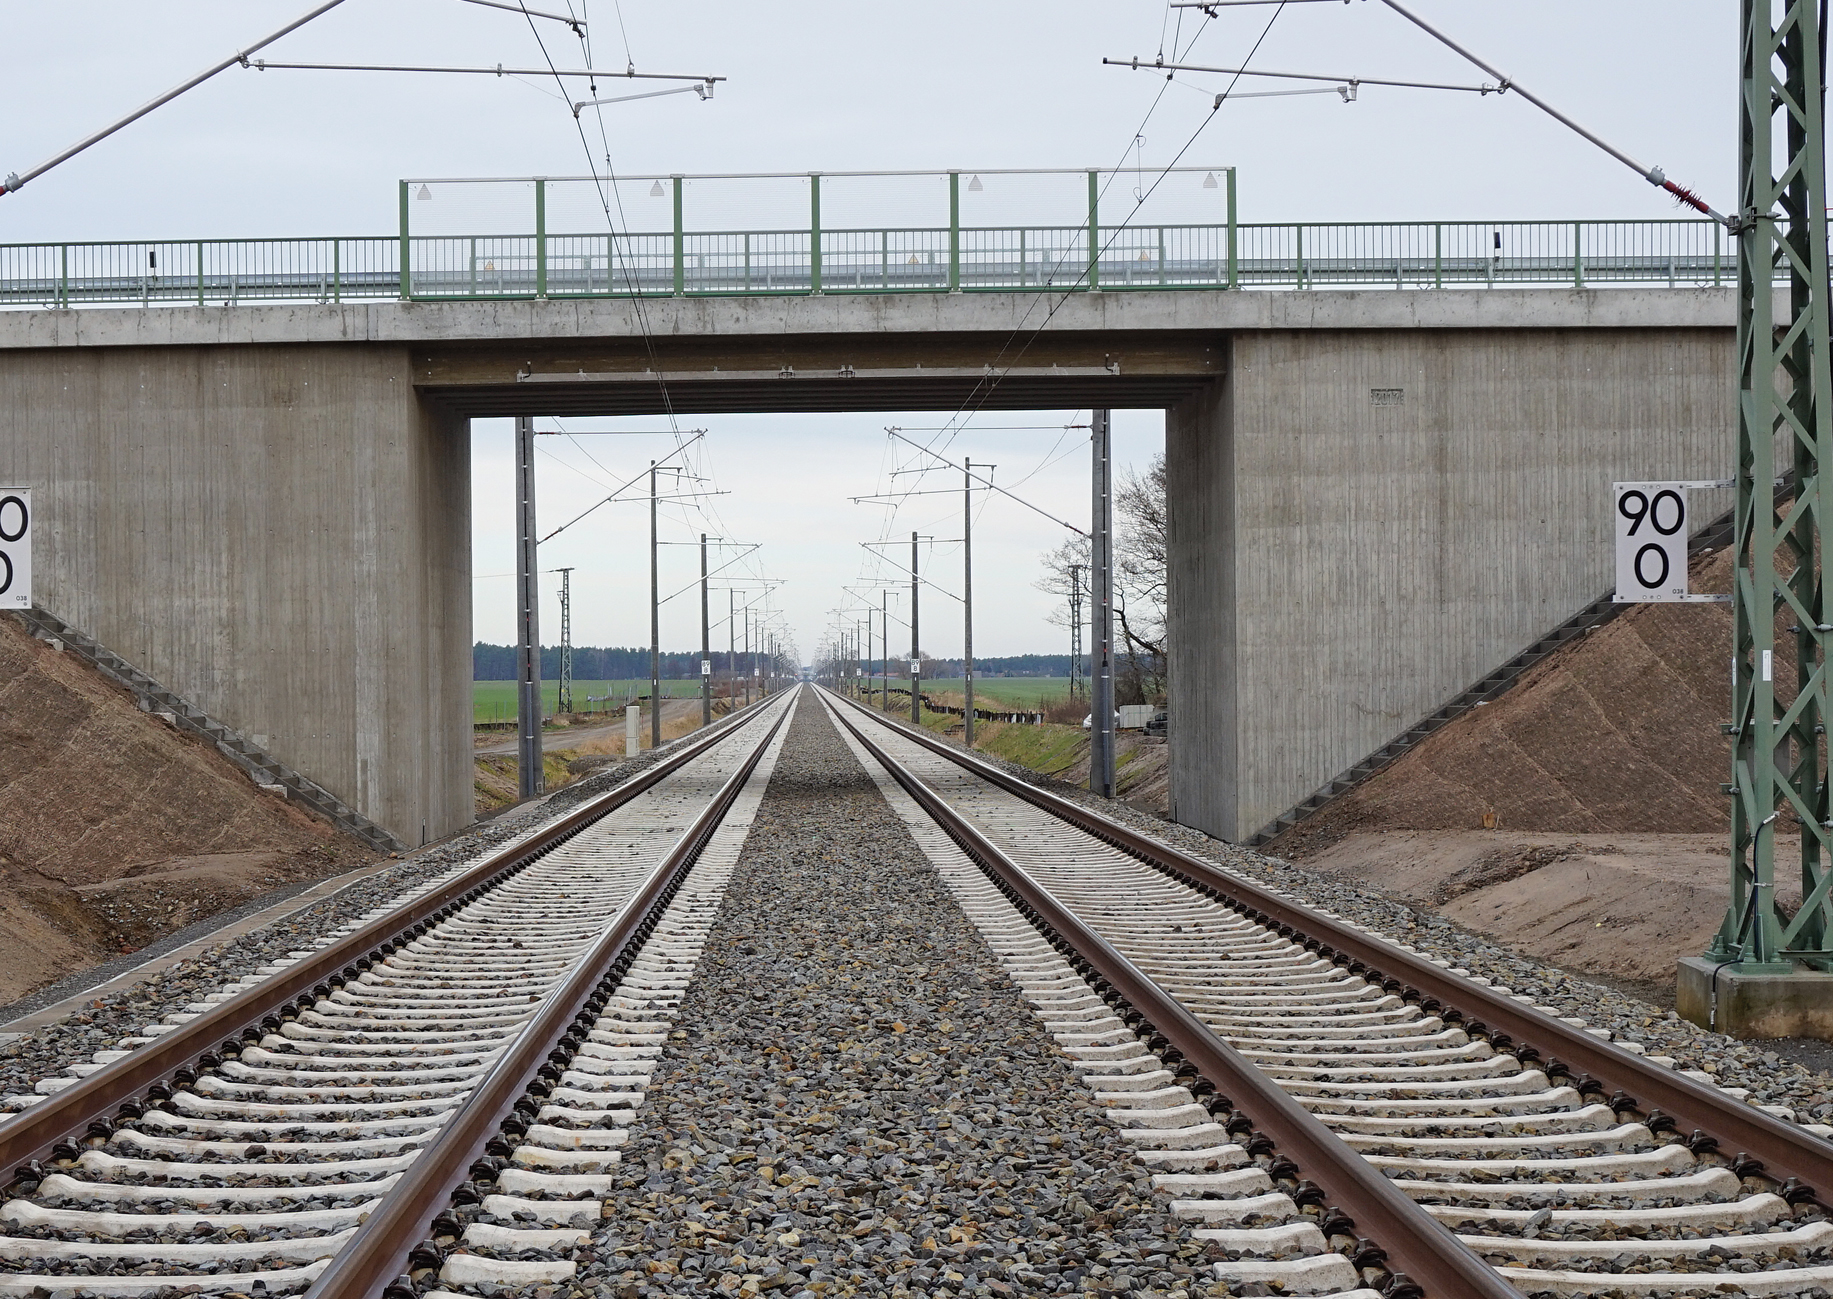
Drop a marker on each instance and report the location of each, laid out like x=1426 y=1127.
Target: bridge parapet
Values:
x=857 y=233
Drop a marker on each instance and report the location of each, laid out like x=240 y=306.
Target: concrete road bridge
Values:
x=1389 y=471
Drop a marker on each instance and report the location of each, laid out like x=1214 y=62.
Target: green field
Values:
x=1018 y=692
x=495 y=701
x=1015 y=692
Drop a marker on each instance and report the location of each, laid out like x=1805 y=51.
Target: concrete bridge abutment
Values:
x=278 y=533
x=1364 y=523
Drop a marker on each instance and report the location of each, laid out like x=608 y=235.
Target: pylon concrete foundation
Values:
x=1755 y=1005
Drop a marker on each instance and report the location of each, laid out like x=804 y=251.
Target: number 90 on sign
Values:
x=1652 y=524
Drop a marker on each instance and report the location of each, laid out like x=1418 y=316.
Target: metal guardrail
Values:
x=884 y=260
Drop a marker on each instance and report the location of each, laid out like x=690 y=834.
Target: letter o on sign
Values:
x=15 y=548
x=1648 y=575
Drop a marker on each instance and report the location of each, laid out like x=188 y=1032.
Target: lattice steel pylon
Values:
x=564 y=704
x=1779 y=708
x=1077 y=687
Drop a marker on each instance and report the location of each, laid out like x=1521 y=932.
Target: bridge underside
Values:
x=1375 y=497
x=818 y=373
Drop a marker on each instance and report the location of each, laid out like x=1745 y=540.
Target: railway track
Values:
x=493 y=1034
x=433 y=1102
x=1562 y=1163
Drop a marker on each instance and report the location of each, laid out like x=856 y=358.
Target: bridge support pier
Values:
x=1364 y=523
x=280 y=534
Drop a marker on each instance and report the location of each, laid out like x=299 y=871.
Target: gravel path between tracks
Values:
x=1770 y=1078
x=856 y=1100
x=124 y=1013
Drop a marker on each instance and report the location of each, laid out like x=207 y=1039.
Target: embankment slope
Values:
x=116 y=829
x=1599 y=774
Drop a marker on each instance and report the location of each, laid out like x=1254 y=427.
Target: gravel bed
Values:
x=856 y=1100
x=97 y=975
x=1771 y=1079
x=106 y=1020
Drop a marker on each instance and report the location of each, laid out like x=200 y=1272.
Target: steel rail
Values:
x=35 y=1133
x=1756 y=1142
x=1418 y=1248
x=391 y=1239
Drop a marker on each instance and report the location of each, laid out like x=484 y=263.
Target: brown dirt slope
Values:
x=1615 y=732
x=116 y=829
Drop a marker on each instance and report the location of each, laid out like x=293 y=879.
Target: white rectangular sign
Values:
x=1652 y=525
x=15 y=547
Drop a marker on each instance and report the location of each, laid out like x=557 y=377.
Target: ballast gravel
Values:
x=109 y=1018
x=1768 y=1077
x=855 y=1099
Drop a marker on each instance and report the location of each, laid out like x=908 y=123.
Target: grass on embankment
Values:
x=493 y=784
x=1049 y=749
x=1060 y=751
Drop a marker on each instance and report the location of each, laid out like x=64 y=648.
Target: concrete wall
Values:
x=253 y=505
x=278 y=533
x=1341 y=569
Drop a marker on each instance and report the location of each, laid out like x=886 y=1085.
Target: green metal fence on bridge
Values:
x=663 y=236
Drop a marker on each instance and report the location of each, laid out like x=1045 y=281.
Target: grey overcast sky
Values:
x=834 y=87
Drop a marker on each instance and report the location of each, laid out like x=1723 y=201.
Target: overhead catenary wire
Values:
x=918 y=575
x=607 y=195
x=569 y=465
x=605 y=202
x=968 y=408
x=575 y=23
x=1653 y=175
x=265 y=65
x=987 y=483
x=750 y=547
x=618 y=492
x=16 y=181
x=984 y=388
x=1482 y=89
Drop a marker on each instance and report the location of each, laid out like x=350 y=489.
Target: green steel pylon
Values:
x=1780 y=699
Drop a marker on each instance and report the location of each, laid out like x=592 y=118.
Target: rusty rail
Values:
x=171 y=1061
x=1412 y=1246
x=1666 y=1100
x=400 y=1236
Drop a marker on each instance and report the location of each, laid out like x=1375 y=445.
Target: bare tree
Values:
x=1139 y=581
x=1058 y=564
x=1139 y=575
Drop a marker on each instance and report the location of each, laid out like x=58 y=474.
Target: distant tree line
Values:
x=592 y=663
x=1012 y=665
